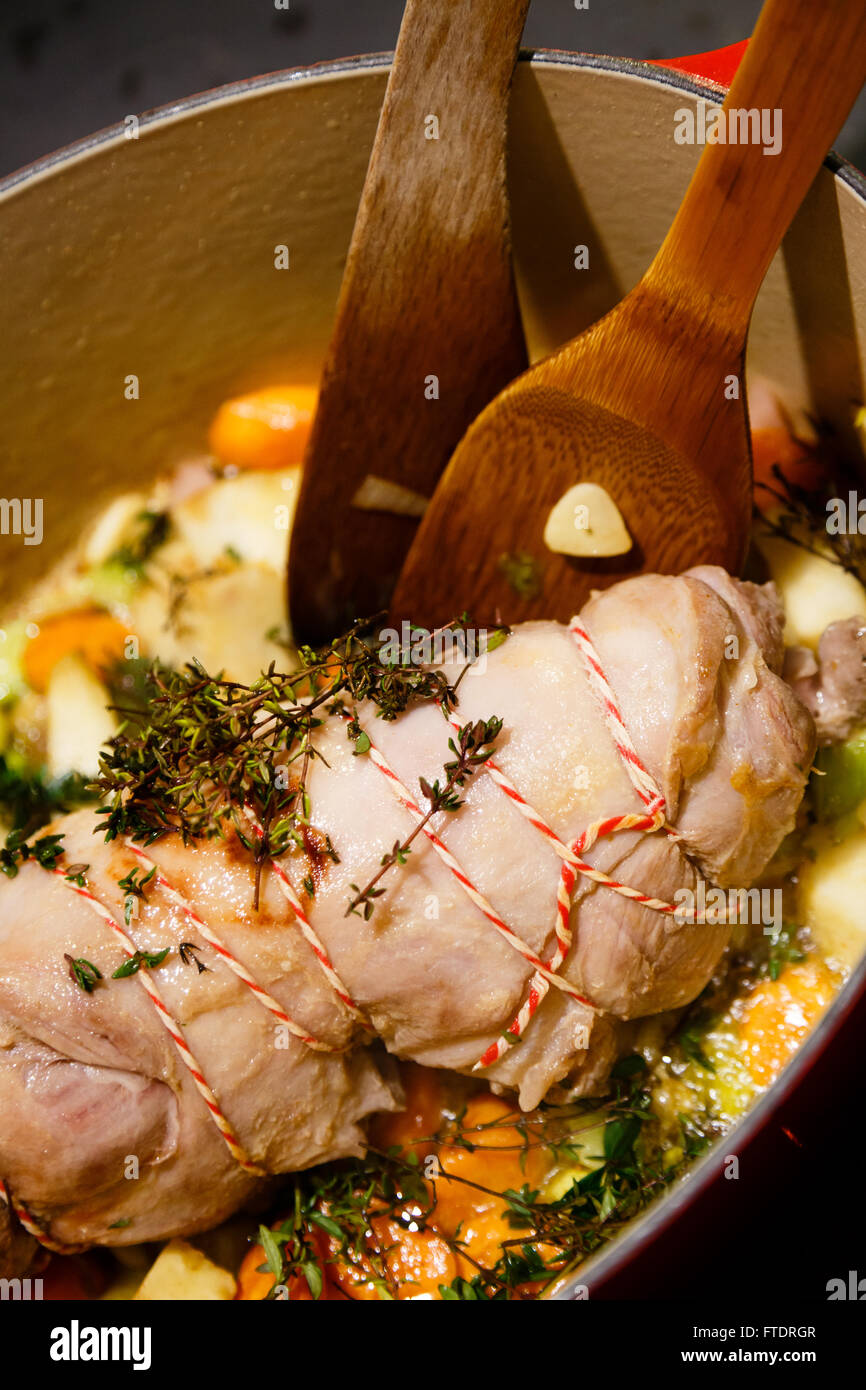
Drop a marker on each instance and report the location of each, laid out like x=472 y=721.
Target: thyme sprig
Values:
x=29 y=801
x=341 y=1201
x=337 y=1202
x=153 y=530
x=134 y=889
x=215 y=752
x=85 y=974
x=187 y=950
x=140 y=960
x=473 y=748
x=17 y=850
x=803 y=511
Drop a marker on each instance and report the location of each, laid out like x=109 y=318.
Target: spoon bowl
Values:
x=649 y=403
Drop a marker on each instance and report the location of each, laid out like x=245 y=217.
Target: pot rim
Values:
x=337 y=67
x=667 y=1209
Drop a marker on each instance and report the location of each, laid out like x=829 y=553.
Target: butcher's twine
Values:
x=545 y=973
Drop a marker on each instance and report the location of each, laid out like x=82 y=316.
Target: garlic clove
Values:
x=586 y=522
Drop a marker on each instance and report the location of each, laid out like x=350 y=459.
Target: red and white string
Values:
x=545 y=973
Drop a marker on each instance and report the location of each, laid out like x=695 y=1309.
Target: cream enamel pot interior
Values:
x=154 y=257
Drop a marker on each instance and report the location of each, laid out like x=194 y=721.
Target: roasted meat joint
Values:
x=480 y=867
x=432 y=678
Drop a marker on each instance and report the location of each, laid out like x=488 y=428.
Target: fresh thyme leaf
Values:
x=121 y=1223
x=620 y=1137
x=783 y=951
x=139 y=960
x=187 y=952
x=273 y=1253
x=333 y=1228
x=134 y=890
x=691 y=1035
x=214 y=750
x=28 y=801
x=496 y=637
x=312 y=1272
x=153 y=531
x=17 y=850
x=76 y=873
x=473 y=748
x=83 y=972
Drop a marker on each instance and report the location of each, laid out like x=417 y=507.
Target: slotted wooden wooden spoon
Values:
x=427 y=328
x=644 y=402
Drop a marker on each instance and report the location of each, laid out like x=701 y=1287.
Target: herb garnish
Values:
x=83 y=972
x=154 y=530
x=804 y=511
x=213 y=749
x=27 y=802
x=691 y=1036
x=783 y=950
x=187 y=952
x=134 y=889
x=45 y=851
x=473 y=747
x=550 y=1238
x=139 y=960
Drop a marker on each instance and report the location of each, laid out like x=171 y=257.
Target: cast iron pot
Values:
x=148 y=250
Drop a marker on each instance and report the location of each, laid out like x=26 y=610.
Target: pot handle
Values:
x=717 y=66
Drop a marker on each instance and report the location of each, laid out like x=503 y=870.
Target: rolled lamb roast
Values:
x=649 y=746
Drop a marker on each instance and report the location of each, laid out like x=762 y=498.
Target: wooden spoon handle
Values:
x=803 y=69
x=428 y=328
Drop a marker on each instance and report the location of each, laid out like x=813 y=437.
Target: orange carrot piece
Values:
x=265 y=429
x=421 y=1118
x=780 y=1014
x=87 y=632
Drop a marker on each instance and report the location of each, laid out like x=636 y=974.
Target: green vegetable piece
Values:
x=843 y=787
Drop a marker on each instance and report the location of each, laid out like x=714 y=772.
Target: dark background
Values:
x=68 y=67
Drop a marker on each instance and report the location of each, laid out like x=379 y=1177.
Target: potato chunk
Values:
x=180 y=1272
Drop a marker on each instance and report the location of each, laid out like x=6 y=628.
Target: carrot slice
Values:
x=87 y=632
x=265 y=429
x=780 y=1014
x=419 y=1120
x=468 y=1200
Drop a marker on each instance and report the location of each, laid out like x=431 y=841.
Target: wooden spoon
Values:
x=649 y=403
x=428 y=328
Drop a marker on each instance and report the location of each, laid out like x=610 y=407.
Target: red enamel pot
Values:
x=148 y=249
